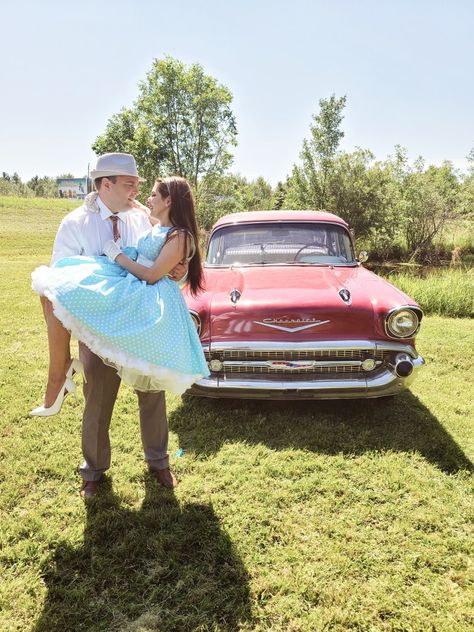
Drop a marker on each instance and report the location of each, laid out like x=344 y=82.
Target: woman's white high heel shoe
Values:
x=76 y=366
x=42 y=411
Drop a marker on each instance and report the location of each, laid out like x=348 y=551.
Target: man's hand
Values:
x=179 y=271
x=112 y=249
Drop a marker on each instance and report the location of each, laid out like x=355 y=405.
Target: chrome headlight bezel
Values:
x=403 y=311
x=196 y=320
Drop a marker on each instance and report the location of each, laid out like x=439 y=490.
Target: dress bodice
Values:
x=150 y=243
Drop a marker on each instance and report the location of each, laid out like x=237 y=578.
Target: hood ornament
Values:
x=235 y=296
x=277 y=323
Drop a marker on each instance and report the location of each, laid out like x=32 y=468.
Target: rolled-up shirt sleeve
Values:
x=67 y=242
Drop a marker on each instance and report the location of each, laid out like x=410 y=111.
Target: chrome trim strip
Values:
x=311 y=346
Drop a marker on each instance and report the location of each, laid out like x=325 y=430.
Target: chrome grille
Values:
x=247 y=355
x=313 y=371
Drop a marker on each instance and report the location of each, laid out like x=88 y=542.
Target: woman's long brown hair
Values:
x=183 y=216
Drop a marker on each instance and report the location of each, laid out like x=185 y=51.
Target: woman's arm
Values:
x=171 y=254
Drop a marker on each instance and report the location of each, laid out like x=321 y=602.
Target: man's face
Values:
x=119 y=195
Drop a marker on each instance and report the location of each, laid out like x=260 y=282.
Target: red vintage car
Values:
x=290 y=313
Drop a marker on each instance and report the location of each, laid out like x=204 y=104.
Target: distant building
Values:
x=72 y=188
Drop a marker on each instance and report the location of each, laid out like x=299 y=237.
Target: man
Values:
x=84 y=231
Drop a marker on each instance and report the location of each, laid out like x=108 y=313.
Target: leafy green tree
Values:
x=426 y=200
x=43 y=187
x=278 y=196
x=181 y=123
x=219 y=195
x=231 y=193
x=309 y=185
x=257 y=195
x=12 y=185
x=432 y=197
x=360 y=191
x=466 y=193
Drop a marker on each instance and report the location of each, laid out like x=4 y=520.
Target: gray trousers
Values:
x=100 y=393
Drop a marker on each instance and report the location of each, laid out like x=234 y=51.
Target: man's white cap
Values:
x=115 y=165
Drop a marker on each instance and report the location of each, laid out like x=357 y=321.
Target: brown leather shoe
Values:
x=164 y=477
x=89 y=489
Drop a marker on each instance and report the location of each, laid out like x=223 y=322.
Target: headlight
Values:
x=403 y=323
x=196 y=321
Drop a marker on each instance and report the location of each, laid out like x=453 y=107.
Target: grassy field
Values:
x=291 y=516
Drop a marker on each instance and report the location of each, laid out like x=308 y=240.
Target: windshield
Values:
x=315 y=243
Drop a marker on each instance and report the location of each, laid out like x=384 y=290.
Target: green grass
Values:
x=442 y=292
x=292 y=516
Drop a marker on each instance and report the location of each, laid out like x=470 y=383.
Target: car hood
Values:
x=297 y=303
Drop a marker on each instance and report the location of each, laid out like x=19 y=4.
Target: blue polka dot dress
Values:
x=144 y=331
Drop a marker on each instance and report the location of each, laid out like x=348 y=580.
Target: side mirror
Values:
x=363 y=256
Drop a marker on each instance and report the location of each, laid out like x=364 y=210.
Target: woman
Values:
x=129 y=312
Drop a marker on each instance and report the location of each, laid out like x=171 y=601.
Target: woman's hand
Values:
x=179 y=271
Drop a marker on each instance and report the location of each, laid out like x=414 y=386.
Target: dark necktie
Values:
x=114 y=219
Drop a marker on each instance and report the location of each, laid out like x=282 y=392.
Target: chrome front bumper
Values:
x=380 y=382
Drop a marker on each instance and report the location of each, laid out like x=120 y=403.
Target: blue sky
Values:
x=406 y=67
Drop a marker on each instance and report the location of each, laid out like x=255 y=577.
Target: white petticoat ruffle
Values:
x=141 y=375
x=38 y=279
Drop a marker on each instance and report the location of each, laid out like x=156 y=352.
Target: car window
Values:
x=281 y=243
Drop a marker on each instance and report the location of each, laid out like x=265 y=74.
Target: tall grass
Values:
x=442 y=292
x=457 y=234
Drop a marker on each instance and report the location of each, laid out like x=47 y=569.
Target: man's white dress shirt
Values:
x=84 y=232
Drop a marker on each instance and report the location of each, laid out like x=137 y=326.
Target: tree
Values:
x=360 y=191
x=43 y=187
x=181 y=123
x=466 y=202
x=310 y=183
x=431 y=200
x=278 y=196
x=257 y=195
x=230 y=193
x=426 y=199
x=12 y=185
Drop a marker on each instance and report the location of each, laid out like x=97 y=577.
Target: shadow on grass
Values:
x=401 y=423
x=164 y=567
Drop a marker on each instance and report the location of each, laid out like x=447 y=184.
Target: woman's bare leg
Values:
x=59 y=353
